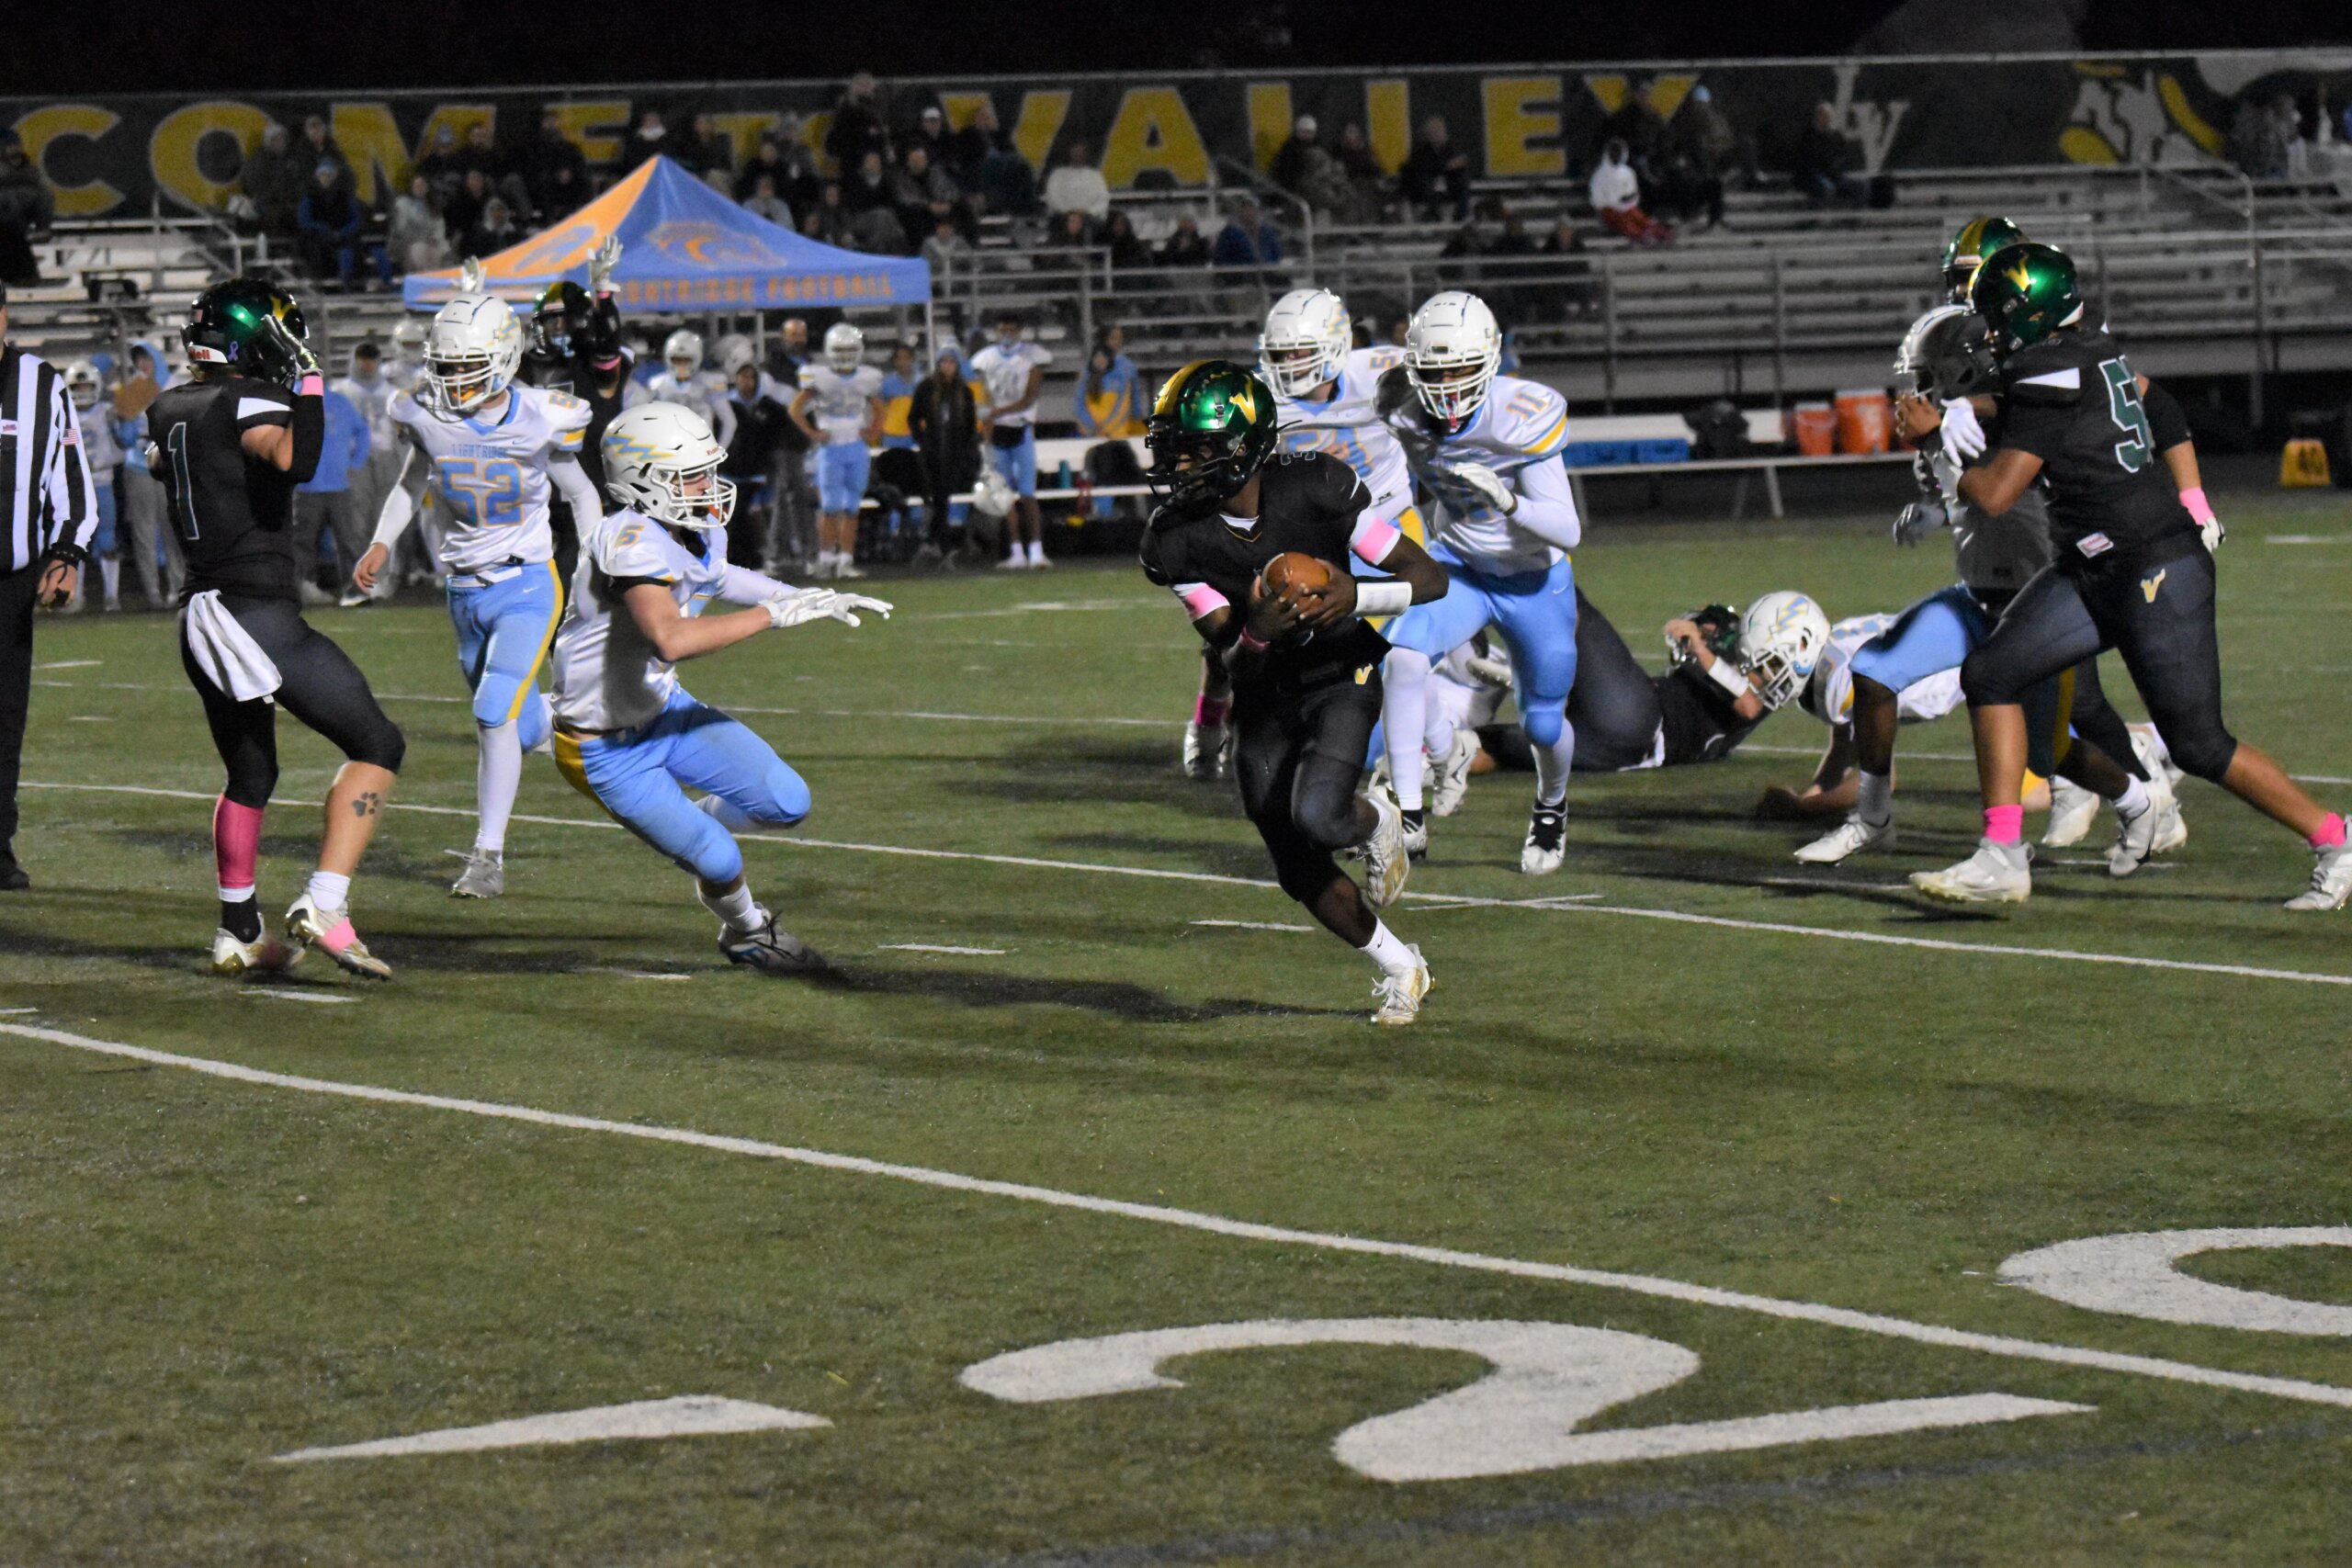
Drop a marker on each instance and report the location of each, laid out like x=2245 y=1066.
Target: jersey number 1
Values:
x=183 y=494
x=2123 y=407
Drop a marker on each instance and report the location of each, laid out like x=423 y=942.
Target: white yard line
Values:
x=1221 y=925
x=267 y=993
x=1563 y=904
x=1219 y=1224
x=935 y=947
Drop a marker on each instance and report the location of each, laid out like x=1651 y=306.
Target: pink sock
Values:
x=1209 y=711
x=340 y=937
x=2004 y=824
x=2331 y=833
x=236 y=841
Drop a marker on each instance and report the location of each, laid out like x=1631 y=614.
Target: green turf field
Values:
x=1699 y=1137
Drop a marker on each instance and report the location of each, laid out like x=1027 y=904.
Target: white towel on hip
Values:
x=225 y=651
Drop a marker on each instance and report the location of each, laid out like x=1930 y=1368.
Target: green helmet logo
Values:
x=1211 y=428
x=1977 y=238
x=229 y=324
x=2025 y=293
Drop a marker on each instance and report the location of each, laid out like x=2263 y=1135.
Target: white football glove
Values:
x=1489 y=484
x=1946 y=469
x=801 y=606
x=601 y=264
x=2212 y=533
x=1918 y=520
x=846 y=605
x=1488 y=668
x=1964 y=436
x=469 y=280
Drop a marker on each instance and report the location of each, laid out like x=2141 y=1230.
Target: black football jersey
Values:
x=1701 y=723
x=2073 y=402
x=1308 y=502
x=235 y=511
x=578 y=377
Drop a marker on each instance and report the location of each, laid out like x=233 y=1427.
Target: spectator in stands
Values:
x=1127 y=251
x=1702 y=142
x=1071 y=231
x=649 y=137
x=556 y=172
x=897 y=390
x=1435 y=178
x=763 y=202
x=1572 y=291
x=274 y=181
x=945 y=421
x=1356 y=158
x=1247 y=240
x=930 y=135
x=1616 y=195
x=857 y=129
x=324 y=512
x=2257 y=141
x=443 y=164
x=1184 y=245
x=867 y=185
x=25 y=209
x=701 y=149
x=802 y=186
x=1514 y=240
x=1077 y=185
x=1637 y=124
x=768 y=160
x=493 y=233
x=924 y=193
x=328 y=221
x=751 y=461
x=418 y=240
x=1110 y=394
x=971 y=147
x=945 y=248
x=1826 y=159
x=318 y=147
x=830 y=222
x=1007 y=183
x=462 y=208
x=874 y=222
x=1289 y=168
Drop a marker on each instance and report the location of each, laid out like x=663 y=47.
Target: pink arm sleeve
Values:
x=1373 y=537
x=1200 y=599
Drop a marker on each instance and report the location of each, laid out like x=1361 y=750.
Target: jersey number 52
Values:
x=488 y=492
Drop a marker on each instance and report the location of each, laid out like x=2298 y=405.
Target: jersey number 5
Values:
x=2123 y=407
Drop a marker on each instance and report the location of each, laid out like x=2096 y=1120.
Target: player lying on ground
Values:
x=1324 y=388
x=1293 y=635
x=626 y=734
x=229 y=445
x=2130 y=570
x=1486 y=448
x=495 y=451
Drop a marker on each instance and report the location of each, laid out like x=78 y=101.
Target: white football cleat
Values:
x=1995 y=874
x=2137 y=838
x=484 y=876
x=2330 y=881
x=263 y=955
x=2154 y=756
x=846 y=566
x=1205 y=745
x=1400 y=991
x=770 y=949
x=1386 y=861
x=1851 y=836
x=2072 y=810
x=1014 y=563
x=1547 y=835
x=329 y=930
x=1449 y=775
x=1416 y=834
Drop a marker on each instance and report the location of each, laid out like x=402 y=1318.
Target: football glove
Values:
x=1489 y=485
x=601 y=264
x=1919 y=519
x=2212 y=533
x=297 y=353
x=846 y=605
x=469 y=280
x=801 y=606
x=1488 y=668
x=1964 y=436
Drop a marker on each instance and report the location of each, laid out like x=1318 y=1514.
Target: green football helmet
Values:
x=1211 y=428
x=1977 y=238
x=228 y=324
x=2025 y=293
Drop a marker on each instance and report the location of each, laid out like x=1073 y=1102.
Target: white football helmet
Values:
x=83 y=384
x=1452 y=352
x=661 y=461
x=682 y=344
x=408 y=343
x=1305 y=342
x=471 y=352
x=844 y=346
x=1781 y=638
x=734 y=351
x=993 y=494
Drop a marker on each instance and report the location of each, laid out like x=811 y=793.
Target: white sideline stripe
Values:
x=1564 y=903
x=267 y=995
x=70 y=664
x=1224 y=925
x=1219 y=1224
x=933 y=947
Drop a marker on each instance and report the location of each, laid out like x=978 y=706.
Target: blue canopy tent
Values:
x=686 y=248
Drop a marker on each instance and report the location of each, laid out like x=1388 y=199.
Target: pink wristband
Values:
x=1252 y=643
x=312 y=386
x=2199 y=507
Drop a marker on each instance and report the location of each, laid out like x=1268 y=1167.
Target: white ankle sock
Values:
x=739 y=910
x=330 y=891
x=1876 y=804
x=1552 y=765
x=1387 y=949
x=2133 y=800
x=1403 y=716
x=1036 y=552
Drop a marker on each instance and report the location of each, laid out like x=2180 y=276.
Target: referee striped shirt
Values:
x=50 y=496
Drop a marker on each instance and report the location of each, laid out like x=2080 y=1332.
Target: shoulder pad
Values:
x=627 y=545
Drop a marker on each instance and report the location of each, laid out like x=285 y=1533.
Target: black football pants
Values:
x=1613 y=705
x=321 y=686
x=1299 y=759
x=19 y=590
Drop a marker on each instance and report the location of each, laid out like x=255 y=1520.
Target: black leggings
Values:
x=320 y=686
x=2158 y=613
x=1613 y=705
x=1299 y=759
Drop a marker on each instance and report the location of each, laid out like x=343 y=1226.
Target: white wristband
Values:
x=1730 y=678
x=1383 y=598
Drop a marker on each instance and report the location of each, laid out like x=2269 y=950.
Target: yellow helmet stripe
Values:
x=1165 y=401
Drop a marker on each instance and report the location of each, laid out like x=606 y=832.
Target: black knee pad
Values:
x=251 y=787
x=383 y=745
x=2204 y=751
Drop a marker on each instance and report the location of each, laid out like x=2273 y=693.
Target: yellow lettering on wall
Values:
x=1153 y=130
x=371 y=139
x=595 y=125
x=172 y=152
x=814 y=128
x=1042 y=114
x=959 y=107
x=1270 y=120
x=1520 y=110
x=1388 y=121
x=55 y=122
x=1665 y=94
x=1608 y=91
x=742 y=131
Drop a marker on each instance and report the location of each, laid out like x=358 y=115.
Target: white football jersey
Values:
x=491 y=474
x=1828 y=694
x=837 y=402
x=1521 y=424
x=1349 y=427
x=1005 y=370
x=704 y=391
x=607 y=675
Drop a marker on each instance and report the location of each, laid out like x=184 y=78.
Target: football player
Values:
x=688 y=384
x=839 y=409
x=1324 y=387
x=2131 y=570
x=230 y=445
x=627 y=735
x=104 y=454
x=2078 y=739
x=494 y=451
x=575 y=346
x=1486 y=448
x=1304 y=661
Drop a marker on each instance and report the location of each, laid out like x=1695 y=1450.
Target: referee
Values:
x=49 y=508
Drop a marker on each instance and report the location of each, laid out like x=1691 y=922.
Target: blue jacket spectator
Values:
x=345 y=449
x=327 y=222
x=326 y=517
x=1247 y=240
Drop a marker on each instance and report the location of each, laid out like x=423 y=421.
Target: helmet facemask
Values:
x=688 y=498
x=1193 y=469
x=1452 y=388
x=1295 y=364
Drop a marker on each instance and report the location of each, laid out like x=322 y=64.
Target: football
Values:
x=1292 y=573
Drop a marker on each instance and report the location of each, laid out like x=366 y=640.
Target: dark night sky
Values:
x=183 y=45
